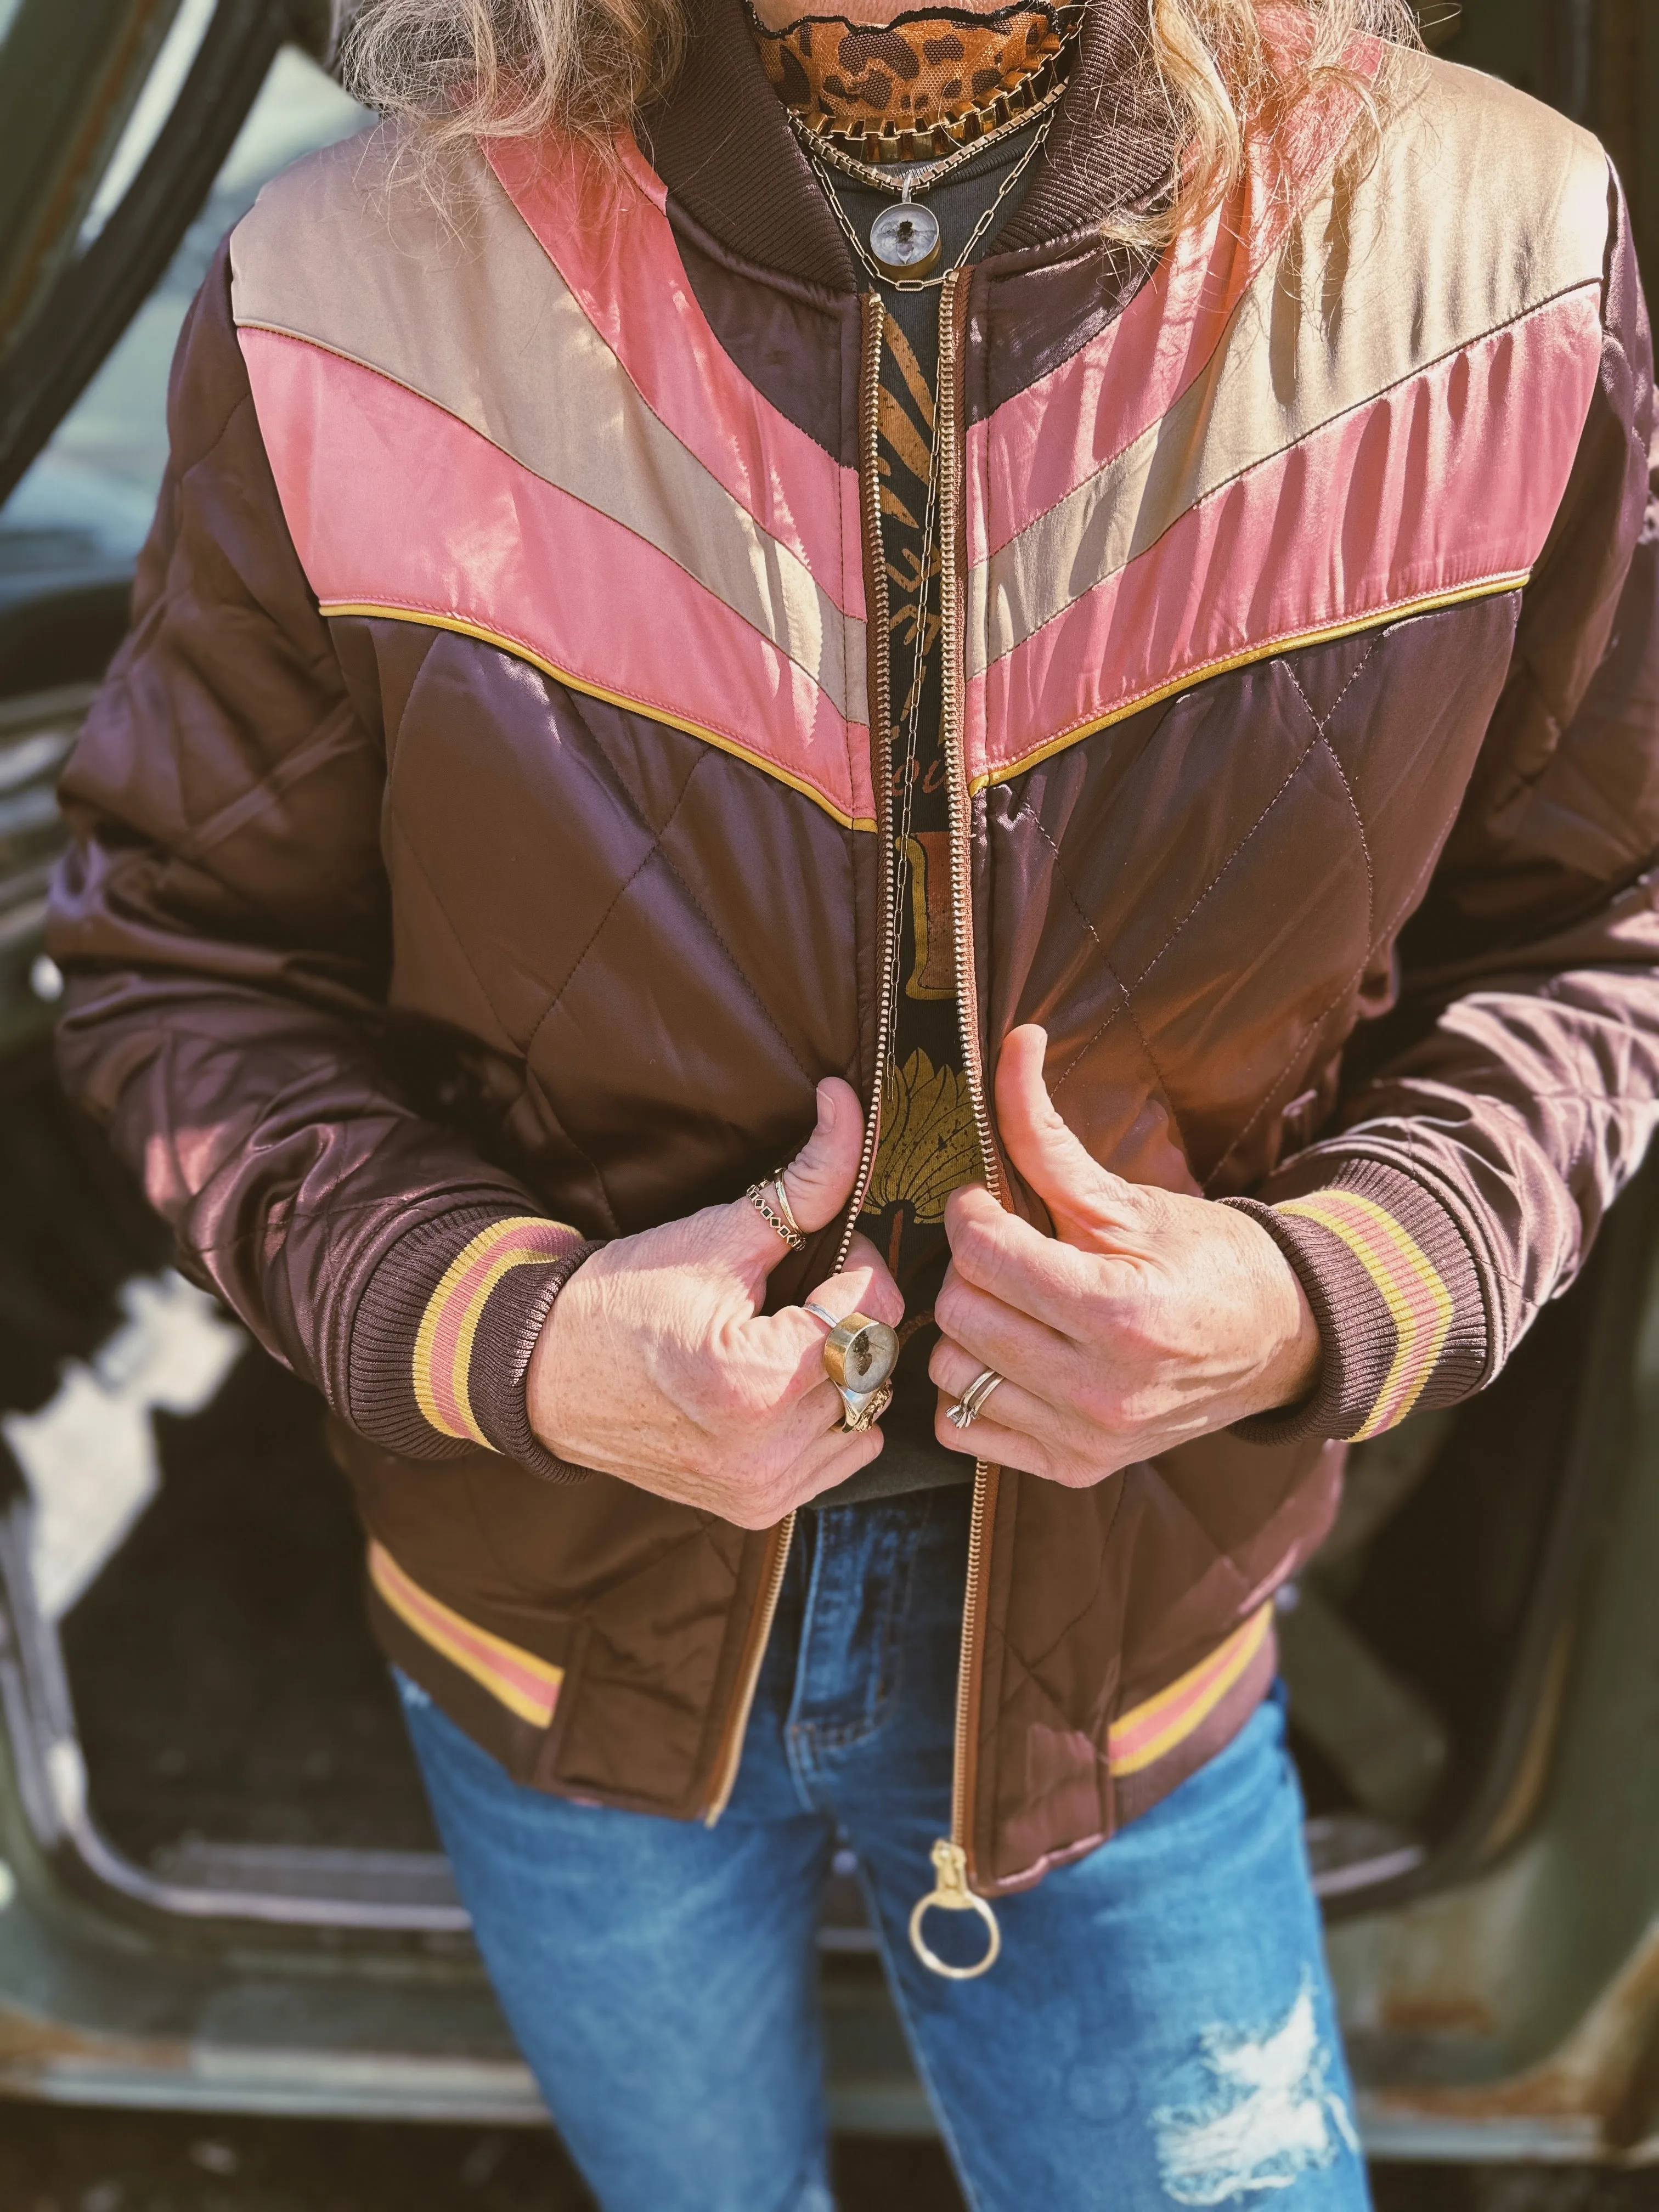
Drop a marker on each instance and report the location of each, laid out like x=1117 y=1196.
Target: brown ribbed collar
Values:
x=721 y=143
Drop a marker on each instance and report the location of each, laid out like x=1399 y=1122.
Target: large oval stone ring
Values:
x=859 y=1356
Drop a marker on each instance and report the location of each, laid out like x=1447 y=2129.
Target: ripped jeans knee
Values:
x=1266 y=2107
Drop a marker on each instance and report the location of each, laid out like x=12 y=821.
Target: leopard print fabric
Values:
x=921 y=71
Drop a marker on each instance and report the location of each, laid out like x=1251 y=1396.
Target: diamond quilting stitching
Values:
x=622 y=890
x=732 y=960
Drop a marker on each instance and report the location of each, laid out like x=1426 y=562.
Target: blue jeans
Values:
x=1157 y=2031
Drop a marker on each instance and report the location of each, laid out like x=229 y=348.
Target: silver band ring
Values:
x=972 y=1403
x=781 y=1193
x=769 y=1214
x=979 y=1388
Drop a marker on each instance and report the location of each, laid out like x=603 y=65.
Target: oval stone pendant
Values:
x=904 y=241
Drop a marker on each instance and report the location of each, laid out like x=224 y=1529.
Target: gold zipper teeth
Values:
x=876 y=614
x=774 y=1590
x=967 y=994
x=951 y=717
x=959 y=1806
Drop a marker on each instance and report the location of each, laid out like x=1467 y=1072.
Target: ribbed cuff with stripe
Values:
x=1395 y=1292
x=441 y=1339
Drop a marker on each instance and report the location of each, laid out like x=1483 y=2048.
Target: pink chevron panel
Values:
x=611 y=242
x=1045 y=440
x=439 y=521
x=1429 y=467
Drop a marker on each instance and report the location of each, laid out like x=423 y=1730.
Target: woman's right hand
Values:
x=657 y=1364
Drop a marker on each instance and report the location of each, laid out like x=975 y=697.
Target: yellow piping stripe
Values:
x=1292 y=642
x=502 y=1265
x=1247 y=1641
x=1411 y=1350
x=517 y=647
x=467 y=1646
x=459 y=1269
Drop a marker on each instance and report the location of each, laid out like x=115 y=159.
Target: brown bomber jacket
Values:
x=479 y=842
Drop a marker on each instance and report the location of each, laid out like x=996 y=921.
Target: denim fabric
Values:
x=1157 y=2031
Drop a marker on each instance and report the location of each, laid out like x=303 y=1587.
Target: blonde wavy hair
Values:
x=1231 y=71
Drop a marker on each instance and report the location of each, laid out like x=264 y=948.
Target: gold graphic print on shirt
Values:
x=933 y=924
x=928 y=1147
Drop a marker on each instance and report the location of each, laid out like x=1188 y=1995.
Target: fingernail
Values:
x=829 y=1106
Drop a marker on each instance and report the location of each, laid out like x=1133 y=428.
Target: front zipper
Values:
x=951 y=665
x=953 y=1855
x=881 y=733
x=731 y=1755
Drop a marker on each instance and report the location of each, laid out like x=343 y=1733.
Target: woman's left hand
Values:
x=1147 y=1319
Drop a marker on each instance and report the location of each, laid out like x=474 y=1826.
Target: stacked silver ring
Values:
x=776 y=1212
x=971 y=1404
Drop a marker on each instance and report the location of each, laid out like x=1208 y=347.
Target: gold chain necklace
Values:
x=923 y=173
x=905 y=240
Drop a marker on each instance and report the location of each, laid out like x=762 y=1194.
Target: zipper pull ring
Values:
x=951 y=1893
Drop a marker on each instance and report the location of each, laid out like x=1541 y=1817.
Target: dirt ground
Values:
x=53 y=2161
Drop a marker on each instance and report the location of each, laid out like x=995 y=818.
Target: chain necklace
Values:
x=905 y=239
x=923 y=173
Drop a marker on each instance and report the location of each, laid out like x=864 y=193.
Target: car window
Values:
x=80 y=515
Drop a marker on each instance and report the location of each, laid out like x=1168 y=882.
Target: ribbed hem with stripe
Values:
x=441 y=1339
x=1395 y=1292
